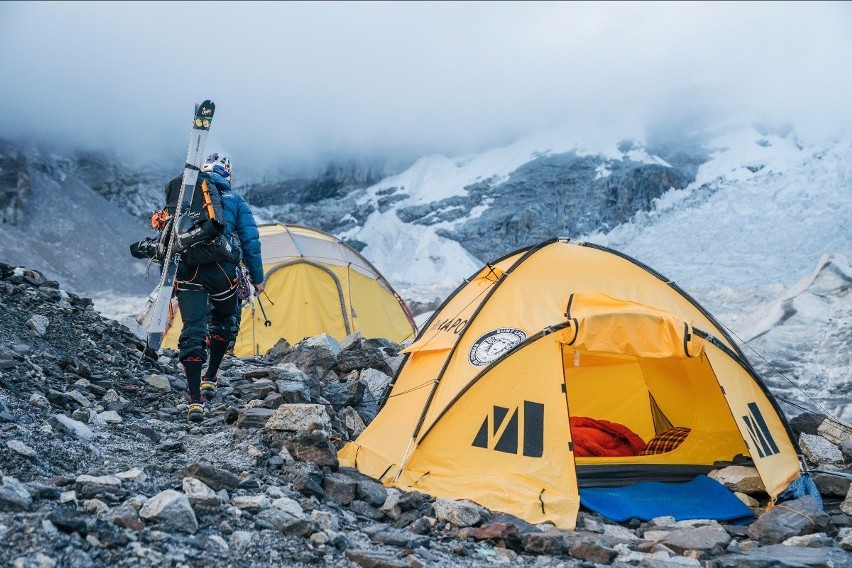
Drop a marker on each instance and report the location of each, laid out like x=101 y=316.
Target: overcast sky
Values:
x=296 y=80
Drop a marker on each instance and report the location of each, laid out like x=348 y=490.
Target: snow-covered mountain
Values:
x=751 y=221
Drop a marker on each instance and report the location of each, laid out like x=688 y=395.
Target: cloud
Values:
x=299 y=81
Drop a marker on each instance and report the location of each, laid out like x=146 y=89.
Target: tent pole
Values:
x=408 y=451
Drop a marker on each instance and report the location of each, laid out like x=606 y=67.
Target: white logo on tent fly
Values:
x=489 y=347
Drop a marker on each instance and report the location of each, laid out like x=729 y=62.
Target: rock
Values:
x=241 y=539
x=146 y=431
x=549 y=543
x=218 y=542
x=38 y=560
x=787 y=519
x=620 y=532
x=293 y=384
x=423 y=525
x=319 y=351
x=290 y=506
x=200 y=496
x=835 y=432
x=844 y=538
x=39 y=400
x=846 y=505
x=374 y=559
x=846 y=450
x=832 y=485
x=134 y=474
x=352 y=342
x=111 y=417
x=392 y=537
x=783 y=556
x=95 y=506
x=352 y=359
x=352 y=422
x=325 y=520
x=13 y=495
x=286 y=523
x=698 y=538
x=79 y=398
x=159 y=383
x=42 y=491
x=314 y=448
x=293 y=392
x=71 y=427
x=592 y=551
x=82 y=415
x=411 y=500
x=366 y=510
x=256 y=417
x=340 y=487
x=213 y=477
x=377 y=382
x=817 y=540
x=341 y=395
x=747 y=500
x=458 y=513
x=371 y=491
x=818 y=450
x=105 y=486
x=272 y=519
x=125 y=516
x=171 y=510
x=67 y=519
x=391 y=505
x=739 y=478
x=295 y=417
x=394 y=363
x=38 y=323
x=111 y=395
x=503 y=534
x=252 y=503
x=305 y=484
x=21 y=448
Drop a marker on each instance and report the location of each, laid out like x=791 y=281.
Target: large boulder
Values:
x=295 y=417
x=790 y=518
x=171 y=510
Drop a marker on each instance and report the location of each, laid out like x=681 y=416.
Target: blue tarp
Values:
x=700 y=498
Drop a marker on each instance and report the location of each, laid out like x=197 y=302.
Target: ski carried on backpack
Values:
x=194 y=156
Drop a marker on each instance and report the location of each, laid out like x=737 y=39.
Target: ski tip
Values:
x=204 y=115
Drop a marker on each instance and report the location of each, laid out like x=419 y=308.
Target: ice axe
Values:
x=266 y=321
x=245 y=291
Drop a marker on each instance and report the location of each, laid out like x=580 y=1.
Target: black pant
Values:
x=207 y=299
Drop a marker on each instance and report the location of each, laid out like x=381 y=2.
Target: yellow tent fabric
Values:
x=481 y=407
x=315 y=283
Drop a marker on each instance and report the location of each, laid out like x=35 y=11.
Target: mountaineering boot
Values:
x=192 y=368
x=208 y=388
x=195 y=412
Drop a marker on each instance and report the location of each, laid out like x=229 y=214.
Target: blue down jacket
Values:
x=239 y=224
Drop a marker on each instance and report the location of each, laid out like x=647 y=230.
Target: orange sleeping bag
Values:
x=601 y=438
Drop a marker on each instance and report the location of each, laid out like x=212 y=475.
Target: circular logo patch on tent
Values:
x=493 y=344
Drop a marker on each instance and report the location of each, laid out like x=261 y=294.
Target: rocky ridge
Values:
x=564 y=194
x=100 y=467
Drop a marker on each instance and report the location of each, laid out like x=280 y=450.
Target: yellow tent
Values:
x=315 y=283
x=484 y=406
